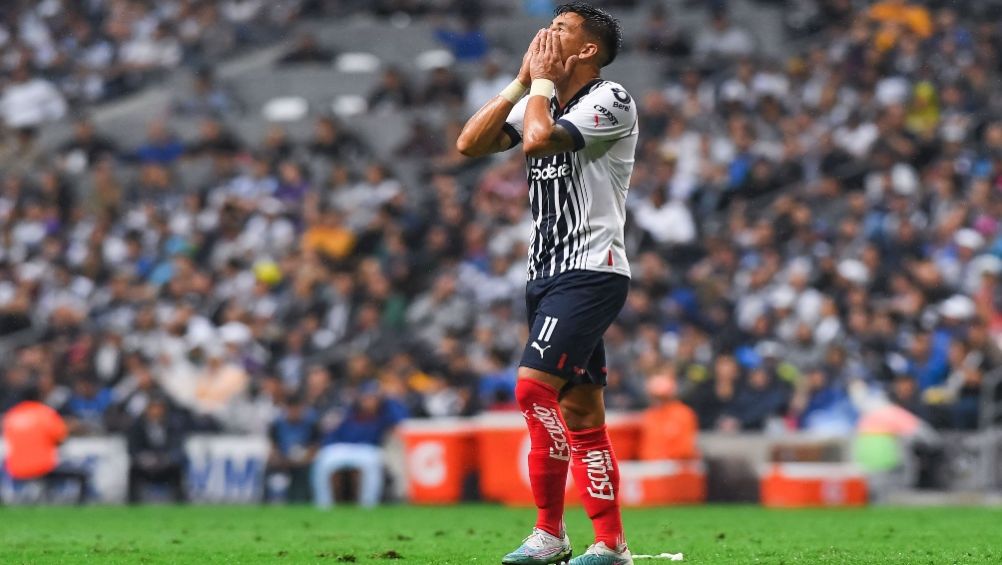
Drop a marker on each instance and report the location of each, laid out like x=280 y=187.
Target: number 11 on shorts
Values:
x=547 y=330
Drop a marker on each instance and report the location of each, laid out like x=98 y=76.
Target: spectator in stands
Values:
x=307 y=50
x=161 y=146
x=955 y=403
x=254 y=185
x=208 y=98
x=32 y=432
x=156 y=451
x=294 y=436
x=904 y=393
x=623 y=393
x=85 y=148
x=20 y=153
x=214 y=141
x=88 y=406
x=392 y=93
x=327 y=235
x=356 y=444
x=722 y=39
x=668 y=427
x=715 y=398
x=134 y=392
x=365 y=200
x=496 y=387
x=276 y=145
x=762 y=398
x=822 y=405
x=322 y=398
x=439 y=311
x=422 y=142
x=666 y=222
x=896 y=16
x=29 y=102
x=293 y=185
x=927 y=362
x=333 y=142
x=662 y=36
x=486 y=85
x=152 y=51
x=467 y=42
x=220 y=384
x=443 y=88
x=51 y=393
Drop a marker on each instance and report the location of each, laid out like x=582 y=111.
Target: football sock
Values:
x=550 y=452
x=596 y=474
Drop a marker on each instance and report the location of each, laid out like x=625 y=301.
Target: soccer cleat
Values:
x=540 y=548
x=600 y=554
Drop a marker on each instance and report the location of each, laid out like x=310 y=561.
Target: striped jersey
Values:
x=578 y=198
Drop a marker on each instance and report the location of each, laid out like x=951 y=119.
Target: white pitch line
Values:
x=667 y=556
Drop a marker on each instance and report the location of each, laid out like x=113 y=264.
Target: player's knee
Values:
x=535 y=386
x=530 y=390
x=524 y=373
x=526 y=392
x=579 y=416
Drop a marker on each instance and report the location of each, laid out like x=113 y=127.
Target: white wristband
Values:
x=542 y=87
x=513 y=92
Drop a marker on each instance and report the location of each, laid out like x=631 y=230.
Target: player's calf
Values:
x=596 y=475
x=550 y=452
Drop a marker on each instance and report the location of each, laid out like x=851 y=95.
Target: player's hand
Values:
x=547 y=62
x=524 y=76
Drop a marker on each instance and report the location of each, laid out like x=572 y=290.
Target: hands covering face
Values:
x=545 y=57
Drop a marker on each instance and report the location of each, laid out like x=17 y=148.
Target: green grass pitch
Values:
x=482 y=534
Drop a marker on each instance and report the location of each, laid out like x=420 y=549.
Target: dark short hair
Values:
x=599 y=23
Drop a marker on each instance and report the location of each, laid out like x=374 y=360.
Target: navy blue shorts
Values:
x=568 y=315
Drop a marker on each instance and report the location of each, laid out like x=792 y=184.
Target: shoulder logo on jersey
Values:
x=608 y=115
x=623 y=99
x=549 y=172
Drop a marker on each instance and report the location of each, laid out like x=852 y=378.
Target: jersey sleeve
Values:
x=513 y=124
x=606 y=114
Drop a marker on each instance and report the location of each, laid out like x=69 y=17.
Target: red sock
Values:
x=596 y=474
x=550 y=453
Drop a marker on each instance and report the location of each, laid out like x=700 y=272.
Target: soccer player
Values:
x=579 y=134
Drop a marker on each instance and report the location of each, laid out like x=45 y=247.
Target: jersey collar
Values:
x=577 y=96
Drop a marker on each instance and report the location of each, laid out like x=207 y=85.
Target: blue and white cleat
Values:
x=600 y=554
x=541 y=548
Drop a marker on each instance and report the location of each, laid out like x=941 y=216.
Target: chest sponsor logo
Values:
x=549 y=172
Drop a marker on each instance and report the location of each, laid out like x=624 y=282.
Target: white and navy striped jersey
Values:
x=578 y=198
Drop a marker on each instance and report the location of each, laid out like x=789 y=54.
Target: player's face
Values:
x=573 y=38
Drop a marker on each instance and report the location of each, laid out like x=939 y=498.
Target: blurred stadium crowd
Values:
x=796 y=224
